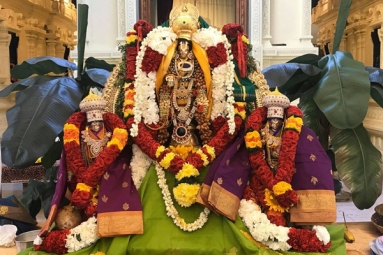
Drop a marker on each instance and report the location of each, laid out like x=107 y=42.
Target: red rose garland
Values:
x=54 y=242
x=151 y=60
x=263 y=177
x=217 y=55
x=89 y=177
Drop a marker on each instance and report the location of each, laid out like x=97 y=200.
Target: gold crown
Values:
x=184 y=20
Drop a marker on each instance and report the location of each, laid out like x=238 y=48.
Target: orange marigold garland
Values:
x=89 y=177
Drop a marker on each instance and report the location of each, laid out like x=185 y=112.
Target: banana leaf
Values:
x=310 y=110
x=359 y=164
x=25 y=83
x=311 y=59
x=41 y=66
x=376 y=80
x=54 y=153
x=92 y=62
x=290 y=77
x=37 y=118
x=95 y=77
x=343 y=90
x=82 y=25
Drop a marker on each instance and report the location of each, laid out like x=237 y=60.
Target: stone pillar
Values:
x=5 y=39
x=363 y=45
x=343 y=43
x=31 y=38
x=121 y=23
x=40 y=41
x=380 y=33
x=306 y=36
x=352 y=43
x=255 y=28
x=330 y=45
x=59 y=50
x=266 y=38
x=359 y=36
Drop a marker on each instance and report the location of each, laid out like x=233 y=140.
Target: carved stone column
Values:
x=131 y=14
x=266 y=24
x=121 y=23
x=380 y=33
x=59 y=50
x=5 y=39
x=343 y=43
x=255 y=28
x=31 y=38
x=352 y=43
x=306 y=36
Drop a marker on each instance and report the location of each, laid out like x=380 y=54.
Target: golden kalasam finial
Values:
x=184 y=20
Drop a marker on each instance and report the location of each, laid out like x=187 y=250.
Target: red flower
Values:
x=289 y=198
x=131 y=54
x=151 y=61
x=217 y=55
x=305 y=240
x=54 y=242
x=142 y=27
x=276 y=218
x=90 y=210
x=231 y=30
x=80 y=199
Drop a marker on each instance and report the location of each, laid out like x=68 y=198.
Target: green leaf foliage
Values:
x=359 y=164
x=25 y=83
x=311 y=59
x=41 y=66
x=344 y=10
x=54 y=153
x=291 y=78
x=376 y=80
x=92 y=62
x=82 y=25
x=343 y=90
x=310 y=110
x=94 y=77
x=37 y=118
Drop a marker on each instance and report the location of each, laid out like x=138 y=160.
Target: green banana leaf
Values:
x=310 y=110
x=291 y=78
x=94 y=77
x=341 y=22
x=343 y=90
x=311 y=59
x=41 y=66
x=92 y=62
x=25 y=83
x=359 y=164
x=54 y=152
x=82 y=25
x=37 y=118
x=376 y=80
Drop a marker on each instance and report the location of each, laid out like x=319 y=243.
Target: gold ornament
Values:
x=67 y=217
x=184 y=20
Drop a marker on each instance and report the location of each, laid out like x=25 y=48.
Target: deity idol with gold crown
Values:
x=182 y=97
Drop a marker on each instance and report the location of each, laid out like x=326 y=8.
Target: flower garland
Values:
x=274 y=192
x=88 y=177
x=129 y=93
x=68 y=240
x=279 y=237
x=172 y=212
x=139 y=164
x=185 y=194
x=155 y=46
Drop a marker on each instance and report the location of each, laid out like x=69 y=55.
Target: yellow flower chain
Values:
x=71 y=133
x=253 y=140
x=119 y=138
x=188 y=170
x=186 y=194
x=281 y=188
x=294 y=123
x=83 y=187
x=165 y=162
x=272 y=202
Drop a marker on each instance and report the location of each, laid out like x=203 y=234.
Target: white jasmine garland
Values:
x=159 y=39
x=140 y=164
x=82 y=236
x=271 y=235
x=172 y=212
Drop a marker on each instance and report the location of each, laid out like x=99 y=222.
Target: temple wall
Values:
x=44 y=27
x=266 y=21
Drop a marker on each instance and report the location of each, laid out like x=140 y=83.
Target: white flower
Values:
x=140 y=164
x=82 y=236
x=38 y=241
x=322 y=234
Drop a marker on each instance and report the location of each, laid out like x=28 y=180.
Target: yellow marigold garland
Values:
x=186 y=194
x=281 y=188
x=71 y=133
x=294 y=123
x=253 y=140
x=272 y=202
x=188 y=170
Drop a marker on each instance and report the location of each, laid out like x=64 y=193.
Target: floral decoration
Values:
x=279 y=237
x=172 y=212
x=129 y=93
x=139 y=164
x=68 y=240
x=240 y=109
x=88 y=177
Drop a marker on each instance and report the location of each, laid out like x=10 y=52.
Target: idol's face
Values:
x=183 y=49
x=275 y=123
x=96 y=126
